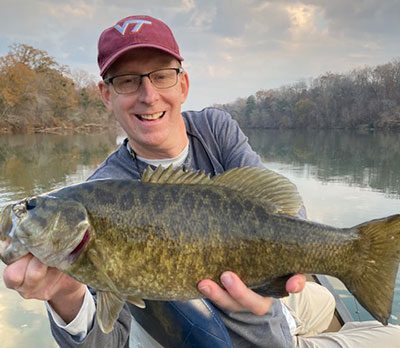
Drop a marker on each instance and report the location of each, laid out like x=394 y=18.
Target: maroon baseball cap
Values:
x=134 y=32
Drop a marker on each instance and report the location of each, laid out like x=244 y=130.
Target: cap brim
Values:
x=119 y=53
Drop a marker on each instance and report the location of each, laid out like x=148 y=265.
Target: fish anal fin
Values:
x=137 y=301
x=274 y=288
x=109 y=306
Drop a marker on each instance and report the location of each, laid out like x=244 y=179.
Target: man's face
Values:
x=165 y=131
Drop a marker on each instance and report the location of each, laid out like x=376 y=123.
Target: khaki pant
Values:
x=313 y=310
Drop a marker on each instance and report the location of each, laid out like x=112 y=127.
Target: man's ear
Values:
x=105 y=94
x=184 y=81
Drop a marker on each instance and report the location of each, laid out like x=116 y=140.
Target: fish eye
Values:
x=31 y=203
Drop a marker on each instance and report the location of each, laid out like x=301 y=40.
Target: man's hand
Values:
x=34 y=280
x=237 y=297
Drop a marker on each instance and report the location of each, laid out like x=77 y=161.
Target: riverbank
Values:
x=60 y=130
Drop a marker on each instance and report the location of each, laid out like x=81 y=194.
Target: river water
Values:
x=345 y=178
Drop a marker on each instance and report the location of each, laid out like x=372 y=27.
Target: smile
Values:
x=150 y=117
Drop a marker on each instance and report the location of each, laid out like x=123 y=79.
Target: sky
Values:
x=232 y=48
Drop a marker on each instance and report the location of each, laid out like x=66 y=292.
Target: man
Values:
x=144 y=86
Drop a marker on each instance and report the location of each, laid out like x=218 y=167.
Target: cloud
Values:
x=76 y=9
x=230 y=18
x=249 y=44
x=363 y=18
x=188 y=5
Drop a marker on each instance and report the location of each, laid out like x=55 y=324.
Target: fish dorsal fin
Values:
x=172 y=175
x=278 y=194
x=109 y=305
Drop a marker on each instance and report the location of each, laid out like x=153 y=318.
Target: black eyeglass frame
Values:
x=179 y=70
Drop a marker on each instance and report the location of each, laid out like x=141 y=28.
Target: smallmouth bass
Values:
x=157 y=238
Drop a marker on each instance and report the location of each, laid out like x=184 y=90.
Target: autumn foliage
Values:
x=38 y=94
x=365 y=98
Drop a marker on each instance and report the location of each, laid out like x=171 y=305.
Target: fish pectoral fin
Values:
x=274 y=288
x=109 y=306
x=98 y=263
x=137 y=301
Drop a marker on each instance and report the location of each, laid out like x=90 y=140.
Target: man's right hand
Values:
x=34 y=280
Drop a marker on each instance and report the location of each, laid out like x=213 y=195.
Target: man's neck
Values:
x=166 y=162
x=160 y=152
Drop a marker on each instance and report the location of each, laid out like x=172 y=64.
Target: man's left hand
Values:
x=237 y=297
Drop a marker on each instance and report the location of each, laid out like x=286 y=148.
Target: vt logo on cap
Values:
x=139 y=22
x=148 y=32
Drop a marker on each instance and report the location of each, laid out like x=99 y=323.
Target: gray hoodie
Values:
x=216 y=144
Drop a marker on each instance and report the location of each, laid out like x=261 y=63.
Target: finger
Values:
x=296 y=283
x=14 y=274
x=53 y=282
x=218 y=296
x=35 y=274
x=245 y=297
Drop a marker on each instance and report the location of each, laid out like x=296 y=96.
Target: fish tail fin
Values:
x=373 y=282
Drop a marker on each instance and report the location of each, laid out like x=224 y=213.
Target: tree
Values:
x=31 y=57
x=37 y=92
x=250 y=105
x=304 y=111
x=365 y=97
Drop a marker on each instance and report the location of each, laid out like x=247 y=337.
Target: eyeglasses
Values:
x=129 y=83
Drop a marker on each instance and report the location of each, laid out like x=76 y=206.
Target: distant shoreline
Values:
x=59 y=130
x=88 y=128
x=360 y=128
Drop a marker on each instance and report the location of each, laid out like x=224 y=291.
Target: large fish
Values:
x=158 y=237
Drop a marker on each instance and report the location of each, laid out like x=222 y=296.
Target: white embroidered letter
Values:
x=138 y=24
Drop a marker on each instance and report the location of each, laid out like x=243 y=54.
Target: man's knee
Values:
x=321 y=296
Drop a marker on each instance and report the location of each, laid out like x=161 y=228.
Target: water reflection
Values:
x=31 y=164
x=23 y=323
x=368 y=160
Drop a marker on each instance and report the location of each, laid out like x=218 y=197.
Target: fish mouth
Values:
x=150 y=117
x=80 y=247
x=19 y=209
x=8 y=222
x=4 y=244
x=5 y=222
